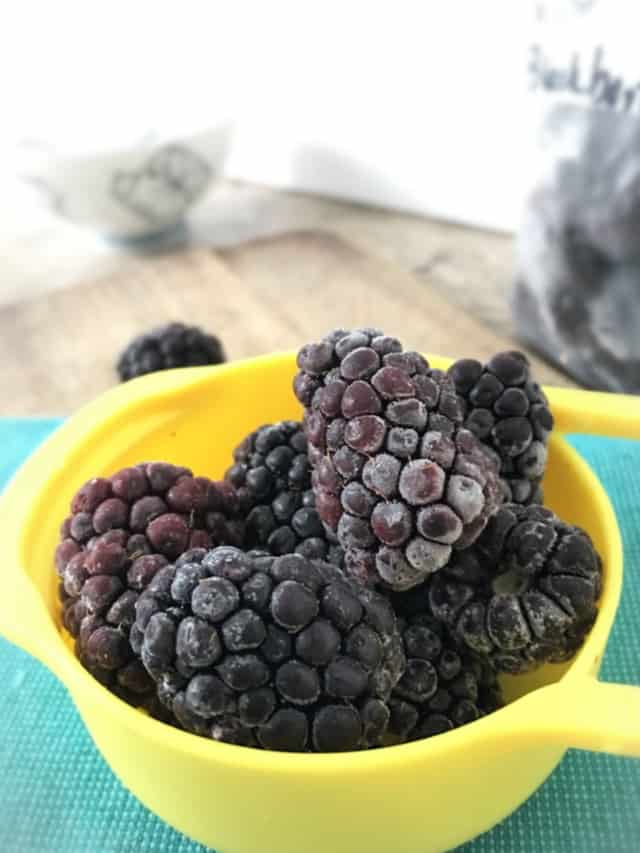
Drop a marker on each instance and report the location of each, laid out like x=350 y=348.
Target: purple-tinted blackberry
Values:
x=121 y=531
x=272 y=476
x=395 y=474
x=505 y=408
x=441 y=688
x=281 y=652
x=175 y=345
x=524 y=594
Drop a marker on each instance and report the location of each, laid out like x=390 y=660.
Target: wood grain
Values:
x=315 y=281
x=58 y=350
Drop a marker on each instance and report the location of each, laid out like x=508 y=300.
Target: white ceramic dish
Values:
x=132 y=190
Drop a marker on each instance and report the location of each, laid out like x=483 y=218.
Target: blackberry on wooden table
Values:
x=174 y=345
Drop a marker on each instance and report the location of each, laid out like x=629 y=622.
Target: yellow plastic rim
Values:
x=28 y=494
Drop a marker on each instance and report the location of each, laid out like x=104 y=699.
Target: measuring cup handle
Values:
x=589 y=714
x=595 y=412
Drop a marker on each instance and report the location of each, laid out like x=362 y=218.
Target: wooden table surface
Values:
x=262 y=269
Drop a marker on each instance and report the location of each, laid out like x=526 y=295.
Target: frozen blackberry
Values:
x=272 y=475
x=395 y=474
x=175 y=345
x=441 y=688
x=526 y=593
x=505 y=408
x=281 y=653
x=121 y=531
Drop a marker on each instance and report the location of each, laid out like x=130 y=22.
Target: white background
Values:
x=415 y=105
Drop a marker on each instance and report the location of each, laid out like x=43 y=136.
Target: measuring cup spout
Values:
x=21 y=615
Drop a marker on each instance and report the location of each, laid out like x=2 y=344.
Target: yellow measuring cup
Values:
x=405 y=799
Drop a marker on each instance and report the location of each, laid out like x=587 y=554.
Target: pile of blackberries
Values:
x=359 y=578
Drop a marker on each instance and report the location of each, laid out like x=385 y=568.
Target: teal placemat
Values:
x=57 y=794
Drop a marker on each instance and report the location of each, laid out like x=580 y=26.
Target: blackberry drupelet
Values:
x=442 y=688
x=121 y=531
x=282 y=653
x=505 y=408
x=526 y=593
x=395 y=474
x=174 y=345
x=272 y=474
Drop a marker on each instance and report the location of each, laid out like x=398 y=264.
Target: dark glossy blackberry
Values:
x=524 y=594
x=507 y=409
x=281 y=653
x=272 y=475
x=174 y=345
x=395 y=474
x=442 y=688
x=122 y=530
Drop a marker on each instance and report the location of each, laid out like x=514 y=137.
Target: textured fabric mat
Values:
x=57 y=793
